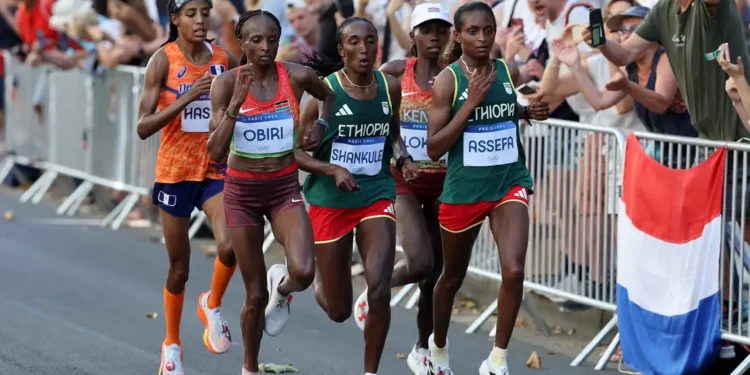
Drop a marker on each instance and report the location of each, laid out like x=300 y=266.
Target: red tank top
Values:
x=182 y=153
x=267 y=129
x=415 y=106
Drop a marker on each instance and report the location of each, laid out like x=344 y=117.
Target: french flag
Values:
x=669 y=240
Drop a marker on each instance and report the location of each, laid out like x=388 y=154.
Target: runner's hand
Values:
x=479 y=86
x=539 y=108
x=410 y=170
x=344 y=180
x=311 y=140
x=241 y=86
x=201 y=86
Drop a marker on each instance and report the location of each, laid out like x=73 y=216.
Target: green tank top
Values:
x=358 y=139
x=488 y=159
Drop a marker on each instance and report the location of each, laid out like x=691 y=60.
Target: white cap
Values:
x=428 y=12
x=63 y=11
x=291 y=5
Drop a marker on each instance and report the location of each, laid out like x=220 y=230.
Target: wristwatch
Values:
x=523 y=114
x=400 y=161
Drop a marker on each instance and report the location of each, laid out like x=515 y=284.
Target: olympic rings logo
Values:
x=493 y=158
x=263 y=148
x=359 y=170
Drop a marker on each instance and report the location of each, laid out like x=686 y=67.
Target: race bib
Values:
x=269 y=133
x=196 y=115
x=490 y=145
x=362 y=156
x=415 y=139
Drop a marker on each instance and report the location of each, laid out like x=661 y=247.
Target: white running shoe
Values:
x=216 y=336
x=278 y=309
x=361 y=308
x=171 y=360
x=439 y=360
x=485 y=369
x=417 y=360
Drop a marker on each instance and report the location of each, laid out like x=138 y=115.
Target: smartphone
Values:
x=516 y=22
x=41 y=40
x=596 y=26
x=526 y=89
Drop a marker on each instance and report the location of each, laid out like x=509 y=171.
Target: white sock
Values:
x=370 y=373
x=245 y=372
x=498 y=357
x=438 y=356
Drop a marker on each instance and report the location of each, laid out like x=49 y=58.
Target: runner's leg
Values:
x=415 y=240
x=293 y=231
x=427 y=285
x=178 y=249
x=248 y=248
x=376 y=239
x=333 y=279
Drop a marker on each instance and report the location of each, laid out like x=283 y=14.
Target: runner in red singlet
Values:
x=175 y=101
x=417 y=200
x=255 y=117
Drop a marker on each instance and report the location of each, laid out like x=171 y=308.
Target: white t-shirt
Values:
x=599 y=73
x=534 y=33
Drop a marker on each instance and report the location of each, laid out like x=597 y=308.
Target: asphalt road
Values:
x=74 y=299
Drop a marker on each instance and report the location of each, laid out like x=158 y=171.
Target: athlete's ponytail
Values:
x=452 y=53
x=171 y=9
x=322 y=65
x=241 y=22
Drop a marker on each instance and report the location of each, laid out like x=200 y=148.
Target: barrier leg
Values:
x=743 y=367
x=197 y=224
x=82 y=189
x=6 y=167
x=608 y=353
x=77 y=204
x=493 y=331
x=31 y=191
x=401 y=294
x=130 y=201
x=270 y=238
x=111 y=216
x=413 y=300
x=594 y=342
x=51 y=176
x=482 y=318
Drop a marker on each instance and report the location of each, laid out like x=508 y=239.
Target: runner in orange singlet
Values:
x=175 y=101
x=255 y=118
x=417 y=200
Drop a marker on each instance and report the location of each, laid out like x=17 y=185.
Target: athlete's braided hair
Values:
x=246 y=16
x=322 y=64
x=454 y=51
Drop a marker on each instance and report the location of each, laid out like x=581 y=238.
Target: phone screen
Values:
x=516 y=22
x=596 y=26
x=526 y=90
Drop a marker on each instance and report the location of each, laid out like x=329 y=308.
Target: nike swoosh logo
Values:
x=407 y=94
x=247 y=110
x=296 y=200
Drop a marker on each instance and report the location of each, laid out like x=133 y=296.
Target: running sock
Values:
x=498 y=357
x=370 y=373
x=438 y=356
x=245 y=372
x=172 y=316
x=219 y=282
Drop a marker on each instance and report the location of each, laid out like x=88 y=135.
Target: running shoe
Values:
x=216 y=336
x=485 y=369
x=417 y=360
x=439 y=360
x=278 y=310
x=361 y=308
x=171 y=360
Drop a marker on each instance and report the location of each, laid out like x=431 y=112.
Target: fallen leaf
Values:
x=9 y=215
x=209 y=251
x=521 y=323
x=534 y=361
x=273 y=368
x=400 y=355
x=571 y=332
x=467 y=304
x=455 y=311
x=152 y=315
x=556 y=330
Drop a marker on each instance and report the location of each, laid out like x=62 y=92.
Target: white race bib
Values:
x=490 y=145
x=269 y=133
x=415 y=139
x=196 y=115
x=362 y=156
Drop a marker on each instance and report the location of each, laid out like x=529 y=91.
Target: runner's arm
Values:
x=394 y=68
x=442 y=130
x=150 y=121
x=659 y=99
x=305 y=161
x=221 y=126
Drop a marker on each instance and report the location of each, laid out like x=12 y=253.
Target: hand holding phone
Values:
x=596 y=26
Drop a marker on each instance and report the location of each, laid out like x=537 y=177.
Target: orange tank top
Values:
x=182 y=154
x=267 y=129
x=415 y=106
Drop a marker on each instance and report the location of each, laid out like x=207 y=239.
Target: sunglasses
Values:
x=626 y=29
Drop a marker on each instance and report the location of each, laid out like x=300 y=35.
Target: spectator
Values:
x=8 y=40
x=737 y=87
x=134 y=15
x=297 y=48
x=527 y=40
x=41 y=42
